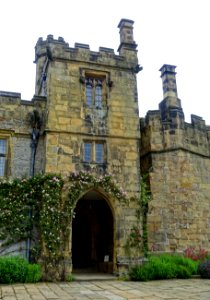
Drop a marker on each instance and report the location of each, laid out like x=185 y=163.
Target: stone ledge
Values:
x=10 y=94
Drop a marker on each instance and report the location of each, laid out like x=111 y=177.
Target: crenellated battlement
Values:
x=166 y=130
x=58 y=49
x=14 y=111
x=52 y=49
x=158 y=135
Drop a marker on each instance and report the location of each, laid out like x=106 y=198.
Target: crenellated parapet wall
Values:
x=58 y=48
x=57 y=52
x=166 y=130
x=167 y=135
x=14 y=111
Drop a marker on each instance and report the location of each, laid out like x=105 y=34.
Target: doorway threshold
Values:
x=93 y=276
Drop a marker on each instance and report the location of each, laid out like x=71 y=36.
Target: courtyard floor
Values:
x=188 y=289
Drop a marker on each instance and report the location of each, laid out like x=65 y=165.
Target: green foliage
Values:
x=144 y=203
x=34 y=273
x=28 y=203
x=134 y=241
x=142 y=273
x=178 y=260
x=70 y=278
x=204 y=269
x=137 y=241
x=164 y=267
x=12 y=269
x=16 y=269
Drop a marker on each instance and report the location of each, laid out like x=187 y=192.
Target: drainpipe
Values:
x=34 y=143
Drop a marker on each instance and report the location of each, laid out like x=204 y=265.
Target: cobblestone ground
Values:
x=189 y=289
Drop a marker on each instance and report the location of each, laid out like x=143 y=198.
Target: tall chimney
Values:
x=168 y=76
x=126 y=35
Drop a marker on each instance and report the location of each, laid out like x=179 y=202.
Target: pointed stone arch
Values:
x=93 y=233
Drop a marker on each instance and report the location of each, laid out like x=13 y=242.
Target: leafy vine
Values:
x=137 y=241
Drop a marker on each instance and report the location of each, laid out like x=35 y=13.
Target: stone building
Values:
x=88 y=104
x=176 y=155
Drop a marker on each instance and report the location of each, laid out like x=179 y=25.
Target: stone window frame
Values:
x=99 y=85
x=89 y=155
x=4 y=155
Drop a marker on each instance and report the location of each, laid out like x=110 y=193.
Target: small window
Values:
x=94 y=152
x=3 y=151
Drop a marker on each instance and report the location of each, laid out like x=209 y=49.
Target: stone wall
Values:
x=179 y=209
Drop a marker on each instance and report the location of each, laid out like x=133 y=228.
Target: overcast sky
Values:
x=173 y=32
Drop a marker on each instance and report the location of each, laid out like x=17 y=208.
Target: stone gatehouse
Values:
x=87 y=107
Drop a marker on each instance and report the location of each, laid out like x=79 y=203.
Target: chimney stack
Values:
x=126 y=35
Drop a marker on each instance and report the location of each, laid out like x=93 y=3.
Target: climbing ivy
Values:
x=28 y=203
x=143 y=209
x=137 y=241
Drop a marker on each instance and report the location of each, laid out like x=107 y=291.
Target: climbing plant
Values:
x=41 y=194
x=143 y=209
x=137 y=240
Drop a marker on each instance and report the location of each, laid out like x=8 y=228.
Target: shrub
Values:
x=12 y=269
x=183 y=272
x=179 y=260
x=196 y=254
x=34 y=273
x=204 y=269
x=141 y=273
x=164 y=267
x=70 y=278
x=17 y=269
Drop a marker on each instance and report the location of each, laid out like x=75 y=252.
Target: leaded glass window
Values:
x=98 y=96
x=93 y=152
x=94 y=92
x=87 y=152
x=89 y=92
x=99 y=153
x=3 y=148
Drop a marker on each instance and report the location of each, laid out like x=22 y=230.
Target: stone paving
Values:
x=189 y=289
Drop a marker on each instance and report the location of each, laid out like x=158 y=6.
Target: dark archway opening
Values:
x=92 y=235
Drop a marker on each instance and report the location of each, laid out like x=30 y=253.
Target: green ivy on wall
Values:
x=137 y=240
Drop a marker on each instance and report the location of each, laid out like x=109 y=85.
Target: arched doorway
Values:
x=92 y=235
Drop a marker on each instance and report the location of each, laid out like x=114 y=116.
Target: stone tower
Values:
x=175 y=155
x=92 y=124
